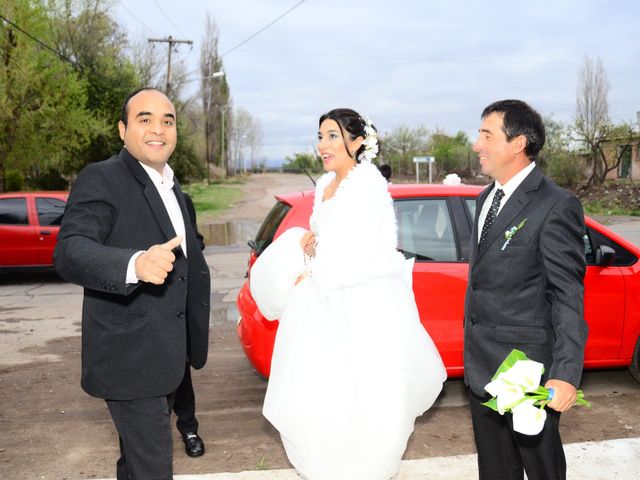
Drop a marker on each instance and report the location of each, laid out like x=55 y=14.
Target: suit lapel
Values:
x=151 y=194
x=192 y=242
x=508 y=216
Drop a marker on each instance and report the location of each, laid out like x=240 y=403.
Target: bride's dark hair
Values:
x=350 y=121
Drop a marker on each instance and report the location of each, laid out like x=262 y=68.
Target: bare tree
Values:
x=593 y=127
x=255 y=143
x=149 y=66
x=402 y=144
x=214 y=93
x=245 y=140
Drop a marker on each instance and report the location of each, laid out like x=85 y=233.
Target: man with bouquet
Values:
x=525 y=292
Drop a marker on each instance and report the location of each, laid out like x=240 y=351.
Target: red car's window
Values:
x=270 y=225
x=471 y=205
x=622 y=258
x=13 y=211
x=50 y=210
x=425 y=230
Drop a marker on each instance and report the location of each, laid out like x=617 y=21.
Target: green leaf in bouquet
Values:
x=492 y=404
x=581 y=400
x=510 y=361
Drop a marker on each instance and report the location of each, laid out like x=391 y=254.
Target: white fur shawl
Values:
x=356 y=230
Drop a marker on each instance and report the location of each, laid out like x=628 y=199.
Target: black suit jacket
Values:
x=134 y=336
x=528 y=296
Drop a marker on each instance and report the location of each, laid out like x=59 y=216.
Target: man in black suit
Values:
x=125 y=237
x=524 y=292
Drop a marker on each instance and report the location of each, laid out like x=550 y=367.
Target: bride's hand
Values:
x=308 y=244
x=300 y=278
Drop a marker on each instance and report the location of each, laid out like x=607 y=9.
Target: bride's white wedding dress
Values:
x=352 y=366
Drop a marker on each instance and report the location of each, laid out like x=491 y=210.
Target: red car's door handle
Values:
x=45 y=232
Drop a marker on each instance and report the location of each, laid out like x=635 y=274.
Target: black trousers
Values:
x=184 y=405
x=144 y=430
x=504 y=454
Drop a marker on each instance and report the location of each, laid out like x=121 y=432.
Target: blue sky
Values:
x=402 y=62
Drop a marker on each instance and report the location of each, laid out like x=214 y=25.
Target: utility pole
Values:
x=171 y=41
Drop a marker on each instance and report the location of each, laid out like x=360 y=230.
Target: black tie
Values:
x=491 y=216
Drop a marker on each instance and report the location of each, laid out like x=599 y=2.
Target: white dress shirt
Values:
x=164 y=185
x=508 y=189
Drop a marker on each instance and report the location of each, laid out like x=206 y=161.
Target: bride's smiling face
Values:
x=333 y=150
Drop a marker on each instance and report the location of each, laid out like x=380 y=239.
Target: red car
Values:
x=434 y=226
x=29 y=225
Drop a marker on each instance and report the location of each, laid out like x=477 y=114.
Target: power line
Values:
x=256 y=33
x=417 y=59
x=262 y=29
x=134 y=16
x=42 y=44
x=168 y=18
x=77 y=65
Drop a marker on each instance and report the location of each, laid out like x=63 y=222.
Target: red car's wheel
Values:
x=634 y=368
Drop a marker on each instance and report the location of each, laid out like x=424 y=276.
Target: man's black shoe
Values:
x=193 y=444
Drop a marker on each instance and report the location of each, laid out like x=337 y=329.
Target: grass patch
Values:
x=214 y=199
x=599 y=207
x=614 y=197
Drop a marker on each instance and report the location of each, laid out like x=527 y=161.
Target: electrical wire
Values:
x=417 y=59
x=140 y=21
x=262 y=29
x=42 y=44
x=77 y=65
x=168 y=18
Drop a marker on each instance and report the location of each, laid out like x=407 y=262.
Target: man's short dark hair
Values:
x=385 y=170
x=124 y=112
x=518 y=118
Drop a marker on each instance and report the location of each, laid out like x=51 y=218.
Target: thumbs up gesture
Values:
x=154 y=265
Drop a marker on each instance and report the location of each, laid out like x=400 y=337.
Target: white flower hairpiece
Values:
x=370 y=143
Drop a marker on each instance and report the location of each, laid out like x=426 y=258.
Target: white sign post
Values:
x=418 y=161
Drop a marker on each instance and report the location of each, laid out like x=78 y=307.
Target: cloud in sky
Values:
x=405 y=61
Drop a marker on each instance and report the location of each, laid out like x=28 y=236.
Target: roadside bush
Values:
x=13 y=181
x=302 y=161
x=48 y=180
x=565 y=169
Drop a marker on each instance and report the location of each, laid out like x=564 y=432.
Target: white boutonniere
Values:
x=509 y=234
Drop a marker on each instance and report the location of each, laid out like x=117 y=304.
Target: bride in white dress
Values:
x=352 y=366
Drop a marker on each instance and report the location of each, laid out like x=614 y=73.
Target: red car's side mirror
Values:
x=604 y=255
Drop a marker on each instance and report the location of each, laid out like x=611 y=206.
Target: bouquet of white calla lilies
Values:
x=527 y=418
x=516 y=388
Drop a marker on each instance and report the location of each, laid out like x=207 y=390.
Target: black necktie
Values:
x=491 y=216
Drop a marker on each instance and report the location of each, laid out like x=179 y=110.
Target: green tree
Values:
x=453 y=154
x=557 y=159
x=185 y=162
x=303 y=161
x=216 y=102
x=85 y=32
x=44 y=119
x=401 y=145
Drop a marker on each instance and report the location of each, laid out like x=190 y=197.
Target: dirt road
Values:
x=51 y=429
